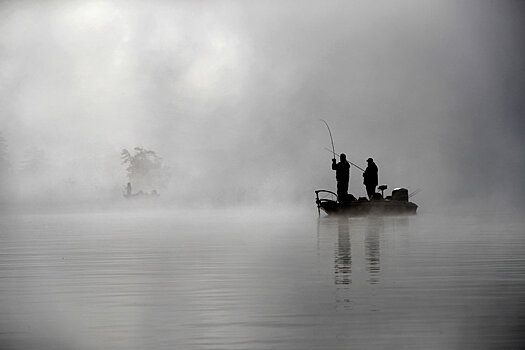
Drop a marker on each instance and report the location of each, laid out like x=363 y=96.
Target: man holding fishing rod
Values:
x=342 y=175
x=342 y=170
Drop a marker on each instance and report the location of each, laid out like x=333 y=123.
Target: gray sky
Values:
x=231 y=93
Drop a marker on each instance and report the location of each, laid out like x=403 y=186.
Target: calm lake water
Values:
x=251 y=280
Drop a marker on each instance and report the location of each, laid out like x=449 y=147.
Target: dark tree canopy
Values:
x=145 y=169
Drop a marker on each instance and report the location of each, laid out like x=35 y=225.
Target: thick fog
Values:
x=230 y=94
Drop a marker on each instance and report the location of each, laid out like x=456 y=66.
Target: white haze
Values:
x=230 y=94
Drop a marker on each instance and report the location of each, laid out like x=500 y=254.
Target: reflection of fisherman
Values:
x=370 y=178
x=342 y=175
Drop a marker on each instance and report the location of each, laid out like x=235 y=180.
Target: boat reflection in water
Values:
x=343 y=253
x=374 y=228
x=357 y=251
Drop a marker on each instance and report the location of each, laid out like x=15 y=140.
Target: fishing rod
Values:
x=357 y=166
x=414 y=193
x=331 y=138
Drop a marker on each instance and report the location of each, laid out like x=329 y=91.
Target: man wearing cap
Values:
x=342 y=175
x=370 y=178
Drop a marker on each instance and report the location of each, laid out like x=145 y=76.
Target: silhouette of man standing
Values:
x=370 y=178
x=342 y=175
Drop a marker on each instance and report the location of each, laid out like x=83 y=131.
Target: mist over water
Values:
x=230 y=95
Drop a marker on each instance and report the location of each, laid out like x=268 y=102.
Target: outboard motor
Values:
x=400 y=194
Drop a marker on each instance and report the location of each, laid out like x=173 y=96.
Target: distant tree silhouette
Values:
x=145 y=169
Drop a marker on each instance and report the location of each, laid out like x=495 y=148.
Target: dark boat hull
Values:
x=362 y=208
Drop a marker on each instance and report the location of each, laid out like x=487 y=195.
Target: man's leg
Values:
x=370 y=190
x=342 y=191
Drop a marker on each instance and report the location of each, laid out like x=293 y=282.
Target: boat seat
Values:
x=382 y=188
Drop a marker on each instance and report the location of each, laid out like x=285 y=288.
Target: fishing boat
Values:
x=396 y=204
